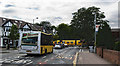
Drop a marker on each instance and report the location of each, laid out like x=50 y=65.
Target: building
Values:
x=5 y=26
x=1 y=38
x=1 y=33
x=116 y=33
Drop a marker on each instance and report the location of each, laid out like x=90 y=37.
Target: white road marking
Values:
x=53 y=57
x=44 y=57
x=30 y=62
x=46 y=60
x=81 y=50
x=1 y=62
x=20 y=61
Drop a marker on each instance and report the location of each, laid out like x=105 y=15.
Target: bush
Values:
x=117 y=46
x=104 y=37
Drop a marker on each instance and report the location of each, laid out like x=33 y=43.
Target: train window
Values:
x=79 y=42
x=71 y=42
x=67 y=42
x=58 y=42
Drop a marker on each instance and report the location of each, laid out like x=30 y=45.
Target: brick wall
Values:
x=110 y=55
x=99 y=51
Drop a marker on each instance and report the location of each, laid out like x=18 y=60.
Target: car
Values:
x=65 y=45
x=59 y=46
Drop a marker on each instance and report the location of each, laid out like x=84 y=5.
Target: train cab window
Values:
x=79 y=42
x=71 y=42
x=58 y=42
x=67 y=42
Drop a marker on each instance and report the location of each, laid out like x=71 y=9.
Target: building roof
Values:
x=115 y=30
x=1 y=21
x=19 y=23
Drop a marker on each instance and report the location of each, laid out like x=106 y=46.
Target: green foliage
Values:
x=45 y=23
x=63 y=31
x=104 y=37
x=117 y=46
x=82 y=23
x=53 y=27
x=55 y=37
x=38 y=24
x=46 y=26
x=14 y=33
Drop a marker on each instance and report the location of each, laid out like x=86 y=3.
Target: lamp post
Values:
x=34 y=19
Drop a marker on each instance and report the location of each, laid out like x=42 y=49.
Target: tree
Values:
x=117 y=46
x=14 y=33
x=104 y=37
x=38 y=24
x=53 y=27
x=55 y=37
x=45 y=23
x=83 y=22
x=63 y=31
x=54 y=31
x=46 y=26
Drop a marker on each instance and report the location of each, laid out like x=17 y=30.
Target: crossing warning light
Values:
x=97 y=26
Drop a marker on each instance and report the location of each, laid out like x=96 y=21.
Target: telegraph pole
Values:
x=95 y=27
x=95 y=32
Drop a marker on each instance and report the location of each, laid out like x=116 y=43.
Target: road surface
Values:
x=59 y=56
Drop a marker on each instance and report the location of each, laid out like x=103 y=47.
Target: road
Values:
x=59 y=56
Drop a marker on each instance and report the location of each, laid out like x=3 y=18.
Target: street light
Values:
x=34 y=19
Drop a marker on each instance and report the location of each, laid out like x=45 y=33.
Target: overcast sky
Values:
x=55 y=11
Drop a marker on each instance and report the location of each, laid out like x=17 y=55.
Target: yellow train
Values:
x=70 y=42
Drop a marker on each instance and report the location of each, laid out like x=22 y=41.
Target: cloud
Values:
x=35 y=8
x=58 y=18
x=9 y=5
x=8 y=11
x=53 y=19
x=55 y=11
x=16 y=17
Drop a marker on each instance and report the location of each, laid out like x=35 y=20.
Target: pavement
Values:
x=85 y=57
